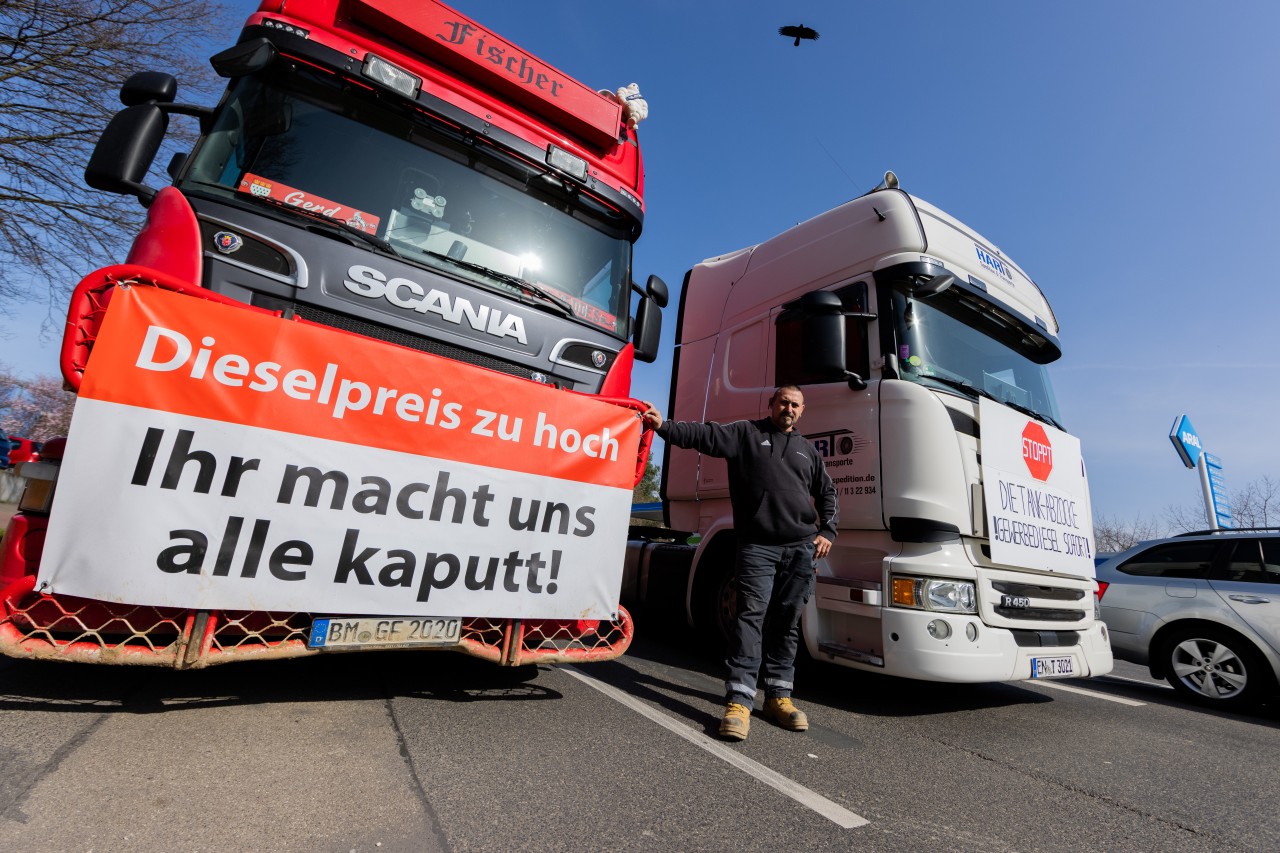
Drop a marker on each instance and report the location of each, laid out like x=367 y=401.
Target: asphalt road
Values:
x=426 y=751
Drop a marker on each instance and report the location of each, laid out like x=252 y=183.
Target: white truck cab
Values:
x=965 y=536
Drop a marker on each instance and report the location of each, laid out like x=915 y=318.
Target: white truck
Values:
x=965 y=539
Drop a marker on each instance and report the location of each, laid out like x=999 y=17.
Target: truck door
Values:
x=842 y=422
x=736 y=390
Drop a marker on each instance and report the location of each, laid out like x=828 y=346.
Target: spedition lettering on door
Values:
x=222 y=496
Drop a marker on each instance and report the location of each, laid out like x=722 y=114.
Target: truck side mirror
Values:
x=811 y=342
x=176 y=162
x=647 y=328
x=933 y=286
x=147 y=86
x=125 y=149
x=657 y=290
x=244 y=58
x=822 y=334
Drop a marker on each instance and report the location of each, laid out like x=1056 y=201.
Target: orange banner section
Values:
x=163 y=351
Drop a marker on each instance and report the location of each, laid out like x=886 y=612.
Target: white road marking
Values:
x=810 y=799
x=1159 y=685
x=1119 y=700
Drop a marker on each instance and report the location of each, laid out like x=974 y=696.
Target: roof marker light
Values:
x=396 y=79
x=291 y=29
x=570 y=164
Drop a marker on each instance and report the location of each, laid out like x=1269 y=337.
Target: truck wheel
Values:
x=1214 y=667
x=716 y=602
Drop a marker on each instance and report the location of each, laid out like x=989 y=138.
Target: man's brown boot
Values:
x=736 y=722
x=780 y=710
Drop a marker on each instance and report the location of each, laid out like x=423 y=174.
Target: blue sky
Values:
x=1123 y=153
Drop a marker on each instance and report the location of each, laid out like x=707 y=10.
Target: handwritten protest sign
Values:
x=223 y=459
x=1036 y=493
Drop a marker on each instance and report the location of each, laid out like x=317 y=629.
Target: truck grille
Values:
x=1031 y=590
x=1043 y=606
x=402 y=338
x=1040 y=614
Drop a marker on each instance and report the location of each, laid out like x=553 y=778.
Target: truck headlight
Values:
x=950 y=596
x=945 y=596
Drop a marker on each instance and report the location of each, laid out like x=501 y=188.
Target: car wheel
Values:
x=1214 y=667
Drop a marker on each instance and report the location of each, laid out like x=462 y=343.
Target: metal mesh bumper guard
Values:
x=53 y=627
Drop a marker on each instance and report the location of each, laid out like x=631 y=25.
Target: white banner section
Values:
x=168 y=509
x=1036 y=492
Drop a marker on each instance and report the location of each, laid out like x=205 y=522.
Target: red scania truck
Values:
x=392 y=170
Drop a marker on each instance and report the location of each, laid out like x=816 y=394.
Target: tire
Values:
x=715 y=604
x=1215 y=667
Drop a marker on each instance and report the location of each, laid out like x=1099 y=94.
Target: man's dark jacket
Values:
x=776 y=479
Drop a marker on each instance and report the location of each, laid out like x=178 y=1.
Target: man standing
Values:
x=784 y=513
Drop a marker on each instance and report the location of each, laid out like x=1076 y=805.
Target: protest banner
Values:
x=224 y=459
x=1036 y=493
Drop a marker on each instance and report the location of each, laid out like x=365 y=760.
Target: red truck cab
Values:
x=389 y=169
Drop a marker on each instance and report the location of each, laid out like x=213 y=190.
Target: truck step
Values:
x=837 y=650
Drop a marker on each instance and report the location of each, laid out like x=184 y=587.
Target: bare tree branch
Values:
x=1185 y=518
x=61 y=66
x=1112 y=535
x=1256 y=504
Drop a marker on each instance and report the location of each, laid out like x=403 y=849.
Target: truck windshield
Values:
x=957 y=341
x=301 y=138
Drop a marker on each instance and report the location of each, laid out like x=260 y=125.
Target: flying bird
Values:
x=800 y=32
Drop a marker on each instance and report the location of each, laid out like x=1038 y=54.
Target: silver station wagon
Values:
x=1202 y=610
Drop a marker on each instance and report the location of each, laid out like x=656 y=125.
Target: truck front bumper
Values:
x=53 y=627
x=995 y=654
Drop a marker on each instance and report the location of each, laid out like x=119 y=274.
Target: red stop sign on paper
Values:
x=1037 y=452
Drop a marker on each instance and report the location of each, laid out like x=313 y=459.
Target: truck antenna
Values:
x=834 y=160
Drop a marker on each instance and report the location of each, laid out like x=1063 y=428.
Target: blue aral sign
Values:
x=1218 y=490
x=1185 y=441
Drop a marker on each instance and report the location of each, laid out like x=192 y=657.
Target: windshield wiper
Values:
x=1027 y=410
x=967 y=387
x=372 y=239
x=508 y=279
x=974 y=390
